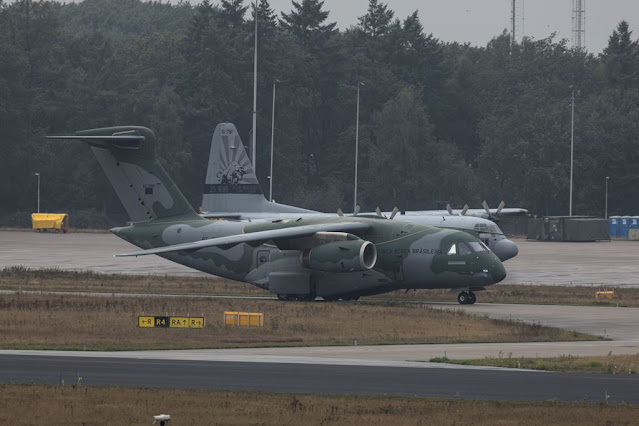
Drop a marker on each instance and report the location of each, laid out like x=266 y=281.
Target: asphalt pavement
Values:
x=332 y=379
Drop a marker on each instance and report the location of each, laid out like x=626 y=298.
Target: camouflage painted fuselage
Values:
x=408 y=256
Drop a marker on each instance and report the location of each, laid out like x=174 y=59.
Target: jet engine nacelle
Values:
x=341 y=256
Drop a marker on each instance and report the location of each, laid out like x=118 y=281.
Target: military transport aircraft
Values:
x=300 y=259
x=232 y=191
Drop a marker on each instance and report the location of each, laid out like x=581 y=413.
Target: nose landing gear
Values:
x=466 y=298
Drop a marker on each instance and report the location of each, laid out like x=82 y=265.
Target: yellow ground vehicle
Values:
x=54 y=221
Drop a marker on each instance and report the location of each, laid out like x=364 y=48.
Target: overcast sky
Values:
x=478 y=21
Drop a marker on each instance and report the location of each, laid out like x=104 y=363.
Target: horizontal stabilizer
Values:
x=256 y=237
x=127 y=156
x=130 y=141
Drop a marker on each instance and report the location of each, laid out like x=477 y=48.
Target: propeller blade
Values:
x=450 y=210
x=340 y=212
x=395 y=211
x=464 y=210
x=378 y=212
x=485 y=206
x=357 y=209
x=501 y=206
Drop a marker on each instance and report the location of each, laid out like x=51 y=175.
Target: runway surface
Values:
x=614 y=263
x=334 y=379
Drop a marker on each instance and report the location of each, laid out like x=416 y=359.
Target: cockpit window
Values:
x=477 y=246
x=494 y=229
x=463 y=249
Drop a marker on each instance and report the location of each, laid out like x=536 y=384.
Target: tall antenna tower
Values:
x=516 y=21
x=579 y=24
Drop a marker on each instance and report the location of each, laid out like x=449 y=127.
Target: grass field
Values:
x=34 y=404
x=611 y=364
x=18 y=278
x=110 y=323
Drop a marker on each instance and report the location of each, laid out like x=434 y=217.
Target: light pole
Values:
x=254 y=136
x=359 y=83
x=270 y=191
x=38 y=175
x=606 y=212
x=572 y=143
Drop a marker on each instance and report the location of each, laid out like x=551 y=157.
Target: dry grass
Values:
x=611 y=364
x=19 y=278
x=31 y=404
x=110 y=323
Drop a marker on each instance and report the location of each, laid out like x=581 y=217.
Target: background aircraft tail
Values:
x=127 y=156
x=231 y=185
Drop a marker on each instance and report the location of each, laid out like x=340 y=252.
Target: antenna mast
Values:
x=516 y=21
x=579 y=24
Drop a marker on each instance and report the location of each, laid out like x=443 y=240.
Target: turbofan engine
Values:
x=341 y=256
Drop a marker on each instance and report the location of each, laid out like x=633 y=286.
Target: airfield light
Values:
x=359 y=83
x=162 y=419
x=38 y=175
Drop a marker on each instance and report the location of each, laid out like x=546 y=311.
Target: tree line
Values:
x=438 y=121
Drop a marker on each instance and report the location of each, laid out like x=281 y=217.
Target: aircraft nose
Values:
x=498 y=272
x=505 y=249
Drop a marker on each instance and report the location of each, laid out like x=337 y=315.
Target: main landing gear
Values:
x=466 y=298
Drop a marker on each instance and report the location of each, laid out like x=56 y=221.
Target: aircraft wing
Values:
x=258 y=237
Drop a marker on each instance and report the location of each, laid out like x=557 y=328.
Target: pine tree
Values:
x=306 y=22
x=377 y=20
x=233 y=12
x=621 y=57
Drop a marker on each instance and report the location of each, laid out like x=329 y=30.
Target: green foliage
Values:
x=437 y=121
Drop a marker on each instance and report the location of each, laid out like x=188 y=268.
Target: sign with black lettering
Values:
x=170 y=322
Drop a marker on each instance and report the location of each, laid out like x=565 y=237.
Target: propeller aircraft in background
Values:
x=232 y=191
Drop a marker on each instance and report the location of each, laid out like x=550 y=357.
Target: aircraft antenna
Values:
x=579 y=24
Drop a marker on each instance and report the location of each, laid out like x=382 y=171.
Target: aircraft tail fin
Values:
x=127 y=156
x=231 y=185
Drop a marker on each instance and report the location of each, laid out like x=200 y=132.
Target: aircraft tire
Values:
x=472 y=298
x=463 y=298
